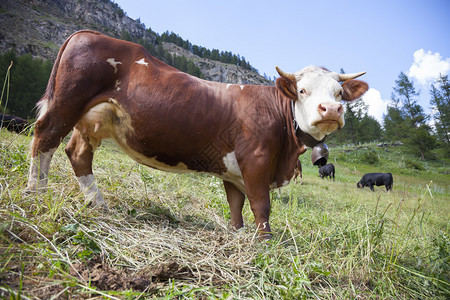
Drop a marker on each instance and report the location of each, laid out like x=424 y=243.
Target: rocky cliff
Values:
x=217 y=71
x=40 y=27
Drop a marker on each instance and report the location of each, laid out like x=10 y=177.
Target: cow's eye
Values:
x=341 y=93
x=302 y=91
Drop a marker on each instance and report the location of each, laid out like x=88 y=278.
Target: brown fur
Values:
x=354 y=89
x=288 y=87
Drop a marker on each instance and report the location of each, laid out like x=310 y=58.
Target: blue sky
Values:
x=380 y=37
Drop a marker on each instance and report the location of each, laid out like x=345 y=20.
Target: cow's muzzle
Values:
x=330 y=117
x=330 y=111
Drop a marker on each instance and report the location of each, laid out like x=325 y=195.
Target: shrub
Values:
x=370 y=157
x=414 y=165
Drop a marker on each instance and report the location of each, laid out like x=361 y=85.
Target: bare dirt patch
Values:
x=105 y=277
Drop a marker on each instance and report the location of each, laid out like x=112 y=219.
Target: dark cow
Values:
x=13 y=123
x=378 y=179
x=327 y=171
x=102 y=87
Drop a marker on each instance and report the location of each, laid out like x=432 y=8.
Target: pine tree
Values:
x=234 y=60
x=407 y=120
x=27 y=83
x=395 y=127
x=369 y=129
x=440 y=101
x=405 y=90
x=196 y=50
x=215 y=55
x=350 y=130
x=125 y=35
x=168 y=58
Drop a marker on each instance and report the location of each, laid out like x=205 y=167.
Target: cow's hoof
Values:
x=99 y=206
x=33 y=191
x=265 y=236
x=28 y=191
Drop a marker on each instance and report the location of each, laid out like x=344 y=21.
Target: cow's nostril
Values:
x=340 y=109
x=322 y=108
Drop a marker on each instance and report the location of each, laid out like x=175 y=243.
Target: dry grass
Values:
x=167 y=235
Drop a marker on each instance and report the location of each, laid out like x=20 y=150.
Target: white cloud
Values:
x=428 y=66
x=377 y=106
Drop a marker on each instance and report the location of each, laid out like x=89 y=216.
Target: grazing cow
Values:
x=13 y=123
x=378 y=179
x=102 y=87
x=327 y=171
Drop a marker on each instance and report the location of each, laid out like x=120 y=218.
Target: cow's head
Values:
x=318 y=93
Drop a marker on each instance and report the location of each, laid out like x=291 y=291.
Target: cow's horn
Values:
x=344 y=77
x=290 y=76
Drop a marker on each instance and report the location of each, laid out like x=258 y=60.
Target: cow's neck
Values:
x=303 y=137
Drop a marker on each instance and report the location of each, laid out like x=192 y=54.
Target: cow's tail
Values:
x=42 y=104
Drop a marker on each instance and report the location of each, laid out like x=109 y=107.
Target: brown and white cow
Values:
x=101 y=87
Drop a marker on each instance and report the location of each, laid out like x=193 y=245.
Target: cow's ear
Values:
x=288 y=87
x=354 y=89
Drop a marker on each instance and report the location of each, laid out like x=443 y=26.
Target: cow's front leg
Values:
x=39 y=168
x=260 y=205
x=256 y=176
x=48 y=134
x=235 y=199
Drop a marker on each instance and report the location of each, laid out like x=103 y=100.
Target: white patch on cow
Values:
x=91 y=191
x=105 y=120
x=116 y=86
x=142 y=62
x=39 y=168
x=233 y=173
x=153 y=162
x=228 y=85
x=232 y=165
x=113 y=101
x=42 y=107
x=114 y=63
x=242 y=87
x=275 y=184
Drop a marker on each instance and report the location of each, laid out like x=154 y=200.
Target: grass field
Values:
x=167 y=235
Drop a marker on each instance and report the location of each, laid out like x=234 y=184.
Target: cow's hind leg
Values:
x=236 y=201
x=80 y=151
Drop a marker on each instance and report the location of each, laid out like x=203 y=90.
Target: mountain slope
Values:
x=39 y=27
x=217 y=71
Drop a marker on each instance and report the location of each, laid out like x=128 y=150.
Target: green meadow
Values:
x=167 y=235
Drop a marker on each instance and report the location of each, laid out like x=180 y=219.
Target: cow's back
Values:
x=160 y=116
